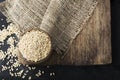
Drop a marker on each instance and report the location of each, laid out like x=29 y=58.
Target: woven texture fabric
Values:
x=63 y=20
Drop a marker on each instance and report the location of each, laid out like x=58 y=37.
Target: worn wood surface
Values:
x=93 y=44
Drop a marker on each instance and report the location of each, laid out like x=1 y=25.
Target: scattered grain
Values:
x=1 y=55
x=3 y=25
x=29 y=78
x=2 y=19
x=42 y=72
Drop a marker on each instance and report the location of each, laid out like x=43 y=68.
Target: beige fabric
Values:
x=63 y=20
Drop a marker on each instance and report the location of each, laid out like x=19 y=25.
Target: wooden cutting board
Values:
x=93 y=45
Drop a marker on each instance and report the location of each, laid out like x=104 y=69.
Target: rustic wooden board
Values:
x=93 y=44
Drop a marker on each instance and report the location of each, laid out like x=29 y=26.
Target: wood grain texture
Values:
x=93 y=44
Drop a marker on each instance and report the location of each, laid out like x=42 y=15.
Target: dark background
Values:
x=98 y=72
